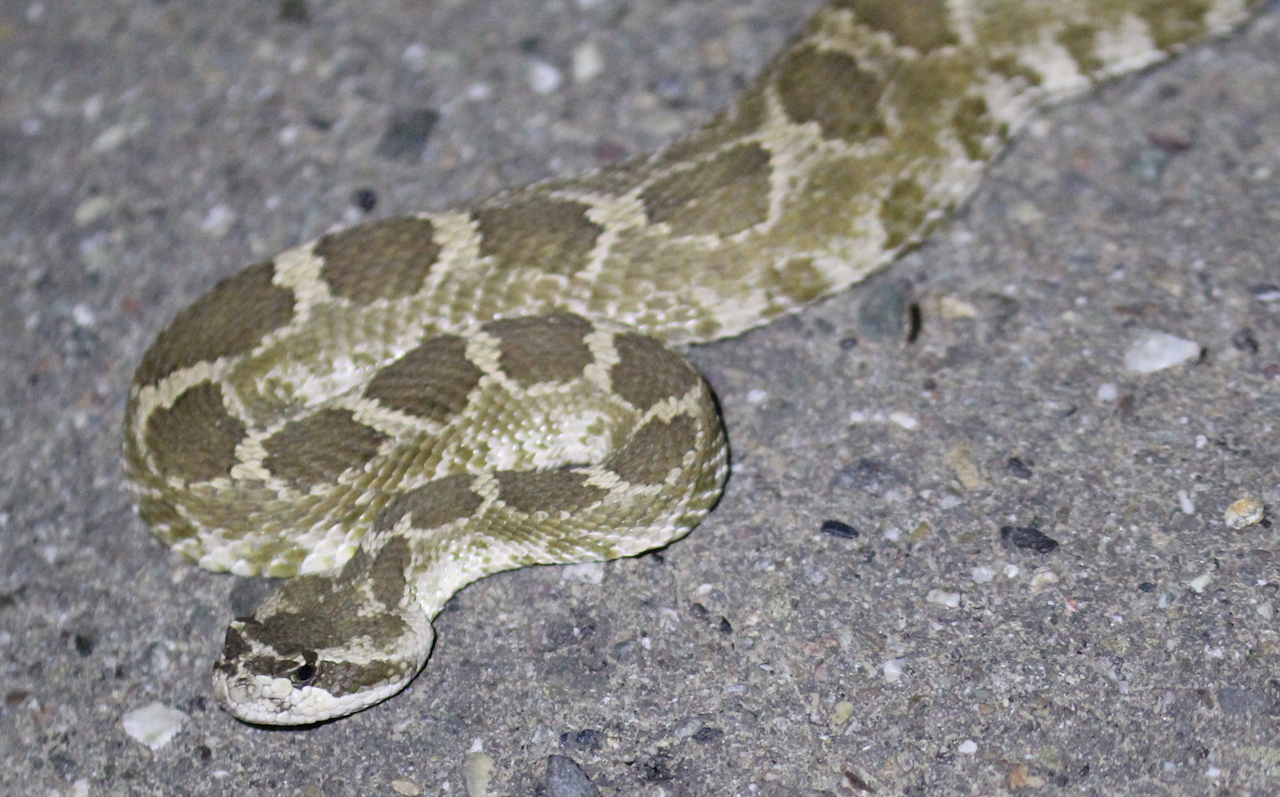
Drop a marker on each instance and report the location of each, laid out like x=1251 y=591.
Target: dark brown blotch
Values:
x=829 y=89
x=195 y=438
x=549 y=348
x=431 y=382
x=234 y=644
x=385 y=259
x=387 y=577
x=550 y=236
x=655 y=449
x=530 y=491
x=317 y=611
x=647 y=372
x=722 y=196
x=340 y=678
x=320 y=447
x=1174 y=23
x=903 y=214
x=920 y=24
x=232 y=318
x=974 y=123
x=1081 y=42
x=798 y=279
x=433 y=504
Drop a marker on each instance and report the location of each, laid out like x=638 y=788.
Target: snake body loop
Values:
x=398 y=409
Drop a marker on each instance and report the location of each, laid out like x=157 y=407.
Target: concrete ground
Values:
x=149 y=147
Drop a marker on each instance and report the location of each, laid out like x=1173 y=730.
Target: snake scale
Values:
x=395 y=410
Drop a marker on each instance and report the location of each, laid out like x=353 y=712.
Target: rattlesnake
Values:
x=423 y=401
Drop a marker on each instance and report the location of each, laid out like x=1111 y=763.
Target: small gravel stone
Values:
x=588 y=739
x=406 y=787
x=566 y=779
x=1240 y=702
x=1154 y=351
x=983 y=575
x=584 y=573
x=407 y=134
x=1018 y=468
x=477 y=771
x=587 y=62
x=543 y=77
x=1243 y=513
x=1027 y=537
x=840 y=529
x=1199 y=583
x=882 y=313
x=943 y=597
x=154 y=725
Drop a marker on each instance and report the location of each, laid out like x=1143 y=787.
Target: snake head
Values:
x=326 y=645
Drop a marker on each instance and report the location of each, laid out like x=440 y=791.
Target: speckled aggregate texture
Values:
x=147 y=149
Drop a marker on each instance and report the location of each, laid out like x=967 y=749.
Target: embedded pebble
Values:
x=1154 y=351
x=837 y=528
x=587 y=62
x=892 y=669
x=543 y=77
x=1042 y=581
x=1242 y=513
x=960 y=460
x=904 y=420
x=1241 y=702
x=943 y=597
x=967 y=747
x=218 y=220
x=406 y=787
x=882 y=312
x=584 y=573
x=154 y=725
x=1027 y=537
x=1199 y=583
x=406 y=133
x=1016 y=467
x=566 y=779
x=477 y=771
x=983 y=575
x=843 y=713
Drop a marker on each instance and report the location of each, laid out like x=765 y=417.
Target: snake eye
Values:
x=303 y=675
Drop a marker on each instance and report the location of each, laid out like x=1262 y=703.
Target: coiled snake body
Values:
x=421 y=401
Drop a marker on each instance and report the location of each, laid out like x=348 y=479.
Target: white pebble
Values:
x=1244 y=512
x=943 y=597
x=1108 y=392
x=477 y=771
x=756 y=395
x=904 y=420
x=1042 y=581
x=982 y=575
x=218 y=220
x=154 y=725
x=967 y=747
x=893 y=669
x=84 y=316
x=587 y=62
x=543 y=77
x=584 y=573
x=1154 y=351
x=1199 y=583
x=1185 y=503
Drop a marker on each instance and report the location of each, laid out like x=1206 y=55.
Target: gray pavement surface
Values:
x=148 y=148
